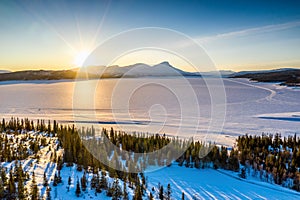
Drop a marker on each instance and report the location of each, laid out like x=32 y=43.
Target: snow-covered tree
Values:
x=78 y=190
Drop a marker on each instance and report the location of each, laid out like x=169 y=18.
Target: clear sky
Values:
x=237 y=35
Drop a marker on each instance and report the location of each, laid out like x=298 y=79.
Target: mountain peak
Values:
x=165 y=63
x=142 y=70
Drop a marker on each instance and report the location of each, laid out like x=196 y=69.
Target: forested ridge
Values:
x=289 y=77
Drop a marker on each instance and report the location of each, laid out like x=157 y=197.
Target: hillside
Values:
x=45 y=75
x=4 y=71
x=290 y=77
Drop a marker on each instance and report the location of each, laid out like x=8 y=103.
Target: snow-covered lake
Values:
x=155 y=106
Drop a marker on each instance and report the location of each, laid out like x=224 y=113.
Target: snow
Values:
x=249 y=107
x=195 y=183
x=61 y=192
x=214 y=184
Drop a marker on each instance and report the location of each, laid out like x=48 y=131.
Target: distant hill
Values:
x=222 y=73
x=285 y=76
x=38 y=75
x=4 y=71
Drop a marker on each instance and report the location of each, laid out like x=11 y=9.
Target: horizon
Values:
x=149 y=64
x=237 y=36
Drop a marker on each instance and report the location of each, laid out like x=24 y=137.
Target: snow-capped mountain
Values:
x=139 y=70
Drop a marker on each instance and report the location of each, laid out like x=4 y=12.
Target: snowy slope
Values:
x=213 y=184
x=194 y=183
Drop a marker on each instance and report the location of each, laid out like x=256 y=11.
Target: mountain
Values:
x=139 y=70
x=286 y=76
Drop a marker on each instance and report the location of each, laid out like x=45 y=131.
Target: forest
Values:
x=270 y=158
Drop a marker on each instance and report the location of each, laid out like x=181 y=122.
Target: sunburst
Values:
x=80 y=57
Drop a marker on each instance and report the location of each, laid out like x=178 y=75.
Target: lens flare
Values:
x=80 y=57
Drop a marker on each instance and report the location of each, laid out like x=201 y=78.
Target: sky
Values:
x=236 y=35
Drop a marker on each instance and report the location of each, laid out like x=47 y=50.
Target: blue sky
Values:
x=237 y=35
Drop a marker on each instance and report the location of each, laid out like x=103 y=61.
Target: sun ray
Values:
x=58 y=34
x=93 y=41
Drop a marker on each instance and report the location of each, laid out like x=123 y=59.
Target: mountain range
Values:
x=132 y=71
x=286 y=76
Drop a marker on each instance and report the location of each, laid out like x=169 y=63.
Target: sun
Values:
x=80 y=57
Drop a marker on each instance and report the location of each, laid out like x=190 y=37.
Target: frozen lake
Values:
x=156 y=106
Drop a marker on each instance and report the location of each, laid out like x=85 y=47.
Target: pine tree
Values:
x=3 y=124
x=94 y=181
x=34 y=189
x=45 y=182
x=78 y=191
x=49 y=127
x=55 y=127
x=1 y=189
x=48 y=193
x=103 y=181
x=55 y=180
x=109 y=191
x=83 y=182
x=116 y=190
x=69 y=183
x=243 y=173
x=161 y=193
x=151 y=196
x=137 y=192
x=69 y=180
x=143 y=186
x=169 y=191
x=3 y=176
x=125 y=193
x=11 y=186
x=21 y=190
